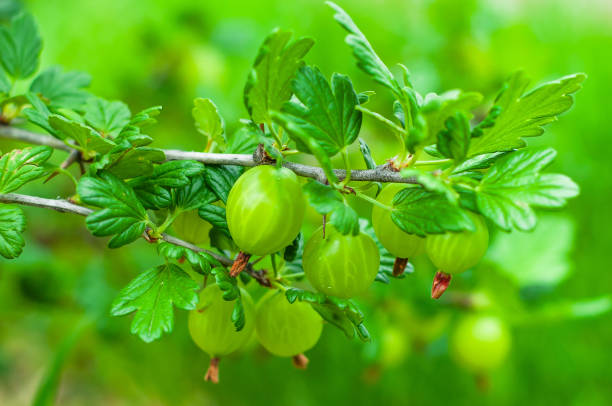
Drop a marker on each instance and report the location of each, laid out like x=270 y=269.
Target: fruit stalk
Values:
x=440 y=283
x=300 y=361
x=212 y=373
x=399 y=266
x=239 y=264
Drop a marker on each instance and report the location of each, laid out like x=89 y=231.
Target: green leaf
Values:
x=146 y=117
x=153 y=197
x=418 y=211
x=132 y=162
x=215 y=215
x=293 y=294
x=269 y=83
x=367 y=59
x=437 y=109
x=299 y=134
x=152 y=295
x=231 y=292
x=341 y=313
x=85 y=137
x=432 y=183
x=524 y=114
x=20 y=46
x=364 y=97
x=487 y=122
x=175 y=173
x=200 y=262
x=540 y=262
x=326 y=114
x=221 y=178
x=5 y=84
x=107 y=117
x=38 y=113
x=121 y=213
x=345 y=219
x=208 y=120
x=483 y=161
x=12 y=224
x=454 y=140
x=62 y=89
x=19 y=167
x=245 y=140
x=193 y=195
x=132 y=132
x=153 y=190
x=325 y=200
x=514 y=184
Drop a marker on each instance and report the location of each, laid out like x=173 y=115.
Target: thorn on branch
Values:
x=147 y=235
x=260 y=156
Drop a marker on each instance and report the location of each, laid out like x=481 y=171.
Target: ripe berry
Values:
x=399 y=243
x=286 y=329
x=454 y=253
x=265 y=209
x=480 y=343
x=211 y=327
x=190 y=227
x=340 y=265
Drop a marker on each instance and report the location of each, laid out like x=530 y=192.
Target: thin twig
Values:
x=64 y=206
x=19 y=134
x=379 y=174
x=72 y=157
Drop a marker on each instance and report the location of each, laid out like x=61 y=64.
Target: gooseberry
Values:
x=453 y=253
x=340 y=265
x=480 y=343
x=265 y=209
x=286 y=329
x=398 y=242
x=190 y=227
x=211 y=327
x=395 y=346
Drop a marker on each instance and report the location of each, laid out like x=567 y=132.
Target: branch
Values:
x=19 y=134
x=64 y=206
x=378 y=174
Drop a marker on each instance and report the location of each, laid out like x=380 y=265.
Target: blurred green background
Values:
x=547 y=284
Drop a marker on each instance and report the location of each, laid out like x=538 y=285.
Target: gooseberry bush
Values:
x=233 y=212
